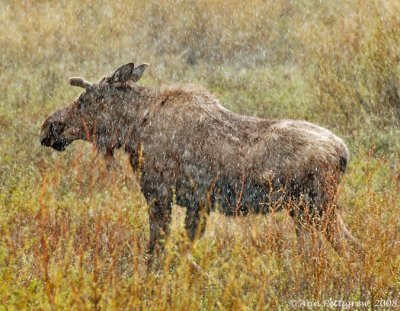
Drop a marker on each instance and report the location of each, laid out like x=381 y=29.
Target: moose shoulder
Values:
x=184 y=142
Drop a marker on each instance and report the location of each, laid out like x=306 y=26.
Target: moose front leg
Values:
x=159 y=220
x=196 y=220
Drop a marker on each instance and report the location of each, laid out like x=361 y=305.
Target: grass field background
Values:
x=73 y=236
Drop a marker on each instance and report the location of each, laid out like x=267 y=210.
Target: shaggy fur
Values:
x=183 y=141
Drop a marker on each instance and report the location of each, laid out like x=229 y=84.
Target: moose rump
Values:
x=186 y=145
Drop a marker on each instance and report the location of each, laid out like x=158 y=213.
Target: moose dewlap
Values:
x=208 y=156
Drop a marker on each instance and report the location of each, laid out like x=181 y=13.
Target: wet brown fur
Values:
x=183 y=141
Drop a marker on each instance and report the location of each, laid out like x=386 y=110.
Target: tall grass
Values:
x=73 y=235
x=359 y=63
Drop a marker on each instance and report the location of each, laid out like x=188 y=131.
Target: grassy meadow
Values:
x=73 y=235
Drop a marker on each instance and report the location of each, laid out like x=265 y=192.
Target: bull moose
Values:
x=189 y=148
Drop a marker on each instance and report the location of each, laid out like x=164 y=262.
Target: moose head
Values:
x=90 y=116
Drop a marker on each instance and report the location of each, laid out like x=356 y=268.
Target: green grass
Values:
x=73 y=236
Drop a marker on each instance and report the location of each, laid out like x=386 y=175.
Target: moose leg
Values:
x=159 y=219
x=340 y=238
x=195 y=225
x=309 y=240
x=196 y=220
x=329 y=225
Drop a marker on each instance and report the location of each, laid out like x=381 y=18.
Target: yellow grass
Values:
x=73 y=236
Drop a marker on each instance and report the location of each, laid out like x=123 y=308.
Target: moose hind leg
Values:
x=339 y=237
x=327 y=222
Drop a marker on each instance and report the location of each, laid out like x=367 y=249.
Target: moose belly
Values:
x=231 y=196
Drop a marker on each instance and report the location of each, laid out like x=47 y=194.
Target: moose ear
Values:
x=78 y=81
x=138 y=72
x=128 y=72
